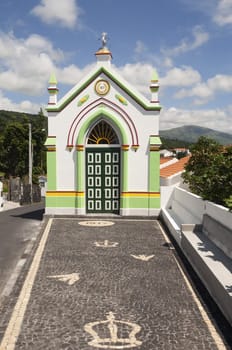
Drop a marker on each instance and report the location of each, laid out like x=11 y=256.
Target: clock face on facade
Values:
x=102 y=87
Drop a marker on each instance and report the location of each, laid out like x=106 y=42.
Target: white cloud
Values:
x=204 y=91
x=140 y=47
x=138 y=75
x=167 y=62
x=11 y=47
x=200 y=37
x=184 y=76
x=223 y=13
x=61 y=12
x=25 y=106
x=72 y=74
x=25 y=64
x=144 y=55
x=220 y=11
x=201 y=91
x=221 y=83
x=216 y=119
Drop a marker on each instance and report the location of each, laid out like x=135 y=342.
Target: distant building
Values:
x=182 y=151
x=171 y=171
x=166 y=153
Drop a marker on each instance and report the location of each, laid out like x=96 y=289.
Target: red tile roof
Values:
x=165 y=159
x=175 y=168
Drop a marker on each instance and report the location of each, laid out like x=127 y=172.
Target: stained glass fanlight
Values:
x=103 y=133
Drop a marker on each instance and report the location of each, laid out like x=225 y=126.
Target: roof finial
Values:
x=104 y=38
x=104 y=55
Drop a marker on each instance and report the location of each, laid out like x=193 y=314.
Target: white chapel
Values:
x=103 y=145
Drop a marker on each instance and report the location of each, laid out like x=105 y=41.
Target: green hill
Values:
x=191 y=134
x=7 y=117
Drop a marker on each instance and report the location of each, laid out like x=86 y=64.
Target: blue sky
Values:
x=188 y=42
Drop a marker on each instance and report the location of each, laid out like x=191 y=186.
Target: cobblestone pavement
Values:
x=108 y=287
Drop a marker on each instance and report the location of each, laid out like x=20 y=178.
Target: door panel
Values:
x=102 y=180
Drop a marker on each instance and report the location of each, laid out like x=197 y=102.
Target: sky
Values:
x=188 y=42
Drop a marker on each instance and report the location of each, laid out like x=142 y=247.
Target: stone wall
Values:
x=21 y=193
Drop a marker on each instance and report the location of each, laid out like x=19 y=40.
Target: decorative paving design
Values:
x=106 y=244
x=96 y=223
x=113 y=330
x=70 y=279
x=143 y=257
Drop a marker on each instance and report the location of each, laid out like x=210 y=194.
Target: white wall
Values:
x=219 y=213
x=190 y=208
x=166 y=193
x=191 y=203
x=171 y=180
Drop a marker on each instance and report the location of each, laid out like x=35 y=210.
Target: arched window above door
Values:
x=103 y=134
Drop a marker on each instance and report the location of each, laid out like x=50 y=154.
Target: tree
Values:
x=39 y=134
x=14 y=144
x=228 y=171
x=209 y=171
x=14 y=157
x=174 y=143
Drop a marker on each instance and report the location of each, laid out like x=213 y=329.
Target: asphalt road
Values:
x=18 y=229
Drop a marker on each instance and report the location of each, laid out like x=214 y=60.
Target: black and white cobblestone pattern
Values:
x=151 y=294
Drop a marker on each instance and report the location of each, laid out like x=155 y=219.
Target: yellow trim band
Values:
x=64 y=194
x=141 y=194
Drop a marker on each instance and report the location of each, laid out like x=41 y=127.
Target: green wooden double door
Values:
x=103 y=180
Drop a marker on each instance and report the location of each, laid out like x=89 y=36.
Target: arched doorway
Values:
x=103 y=163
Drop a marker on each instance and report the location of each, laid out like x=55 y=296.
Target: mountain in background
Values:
x=191 y=133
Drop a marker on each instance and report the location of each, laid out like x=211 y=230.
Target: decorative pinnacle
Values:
x=155 y=76
x=52 y=80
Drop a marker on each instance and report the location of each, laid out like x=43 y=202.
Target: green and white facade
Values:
x=103 y=146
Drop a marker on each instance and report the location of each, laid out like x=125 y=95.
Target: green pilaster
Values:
x=51 y=171
x=80 y=170
x=80 y=176
x=124 y=170
x=124 y=174
x=154 y=171
x=51 y=163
